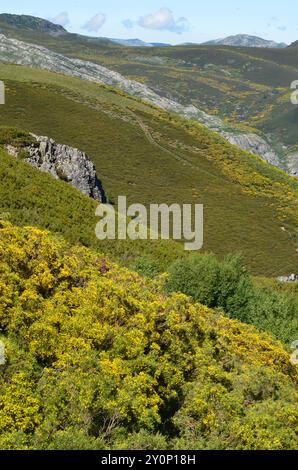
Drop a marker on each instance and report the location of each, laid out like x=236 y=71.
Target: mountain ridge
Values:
x=245 y=40
x=33 y=23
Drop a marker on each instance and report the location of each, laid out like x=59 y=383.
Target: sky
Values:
x=169 y=21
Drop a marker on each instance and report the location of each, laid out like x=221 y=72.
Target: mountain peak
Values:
x=32 y=23
x=245 y=40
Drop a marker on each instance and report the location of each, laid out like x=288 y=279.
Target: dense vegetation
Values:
x=31 y=197
x=227 y=285
x=99 y=358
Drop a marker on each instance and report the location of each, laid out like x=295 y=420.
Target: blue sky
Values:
x=172 y=21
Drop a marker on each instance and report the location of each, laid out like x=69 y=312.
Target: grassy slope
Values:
x=247 y=88
x=29 y=197
x=256 y=81
x=162 y=160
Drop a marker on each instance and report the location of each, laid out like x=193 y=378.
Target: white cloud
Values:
x=95 y=23
x=128 y=24
x=164 y=19
x=62 y=19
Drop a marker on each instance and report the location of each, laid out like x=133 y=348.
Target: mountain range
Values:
x=31 y=23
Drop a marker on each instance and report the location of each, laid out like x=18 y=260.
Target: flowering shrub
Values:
x=100 y=358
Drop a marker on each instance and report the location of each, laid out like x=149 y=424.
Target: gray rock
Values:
x=291 y=278
x=293 y=164
x=2 y=354
x=63 y=162
x=255 y=144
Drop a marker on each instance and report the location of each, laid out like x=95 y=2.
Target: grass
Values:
x=30 y=197
x=250 y=207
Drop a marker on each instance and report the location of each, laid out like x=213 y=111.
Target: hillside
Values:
x=238 y=190
x=32 y=23
x=257 y=81
x=139 y=344
x=34 y=27
x=97 y=358
x=31 y=197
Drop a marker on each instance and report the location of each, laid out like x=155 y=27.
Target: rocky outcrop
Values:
x=255 y=144
x=293 y=164
x=63 y=162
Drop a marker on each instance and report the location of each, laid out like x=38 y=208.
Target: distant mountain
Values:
x=31 y=23
x=294 y=44
x=131 y=42
x=188 y=44
x=160 y=44
x=245 y=40
x=138 y=43
x=39 y=25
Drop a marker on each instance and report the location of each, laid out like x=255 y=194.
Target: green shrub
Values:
x=104 y=360
x=211 y=282
x=146 y=267
x=15 y=137
x=227 y=285
x=274 y=311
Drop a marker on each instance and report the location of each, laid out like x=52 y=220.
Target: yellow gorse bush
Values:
x=104 y=356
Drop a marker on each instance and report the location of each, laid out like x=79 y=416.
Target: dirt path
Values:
x=183 y=160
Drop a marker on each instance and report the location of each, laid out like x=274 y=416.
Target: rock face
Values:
x=255 y=144
x=293 y=164
x=63 y=162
